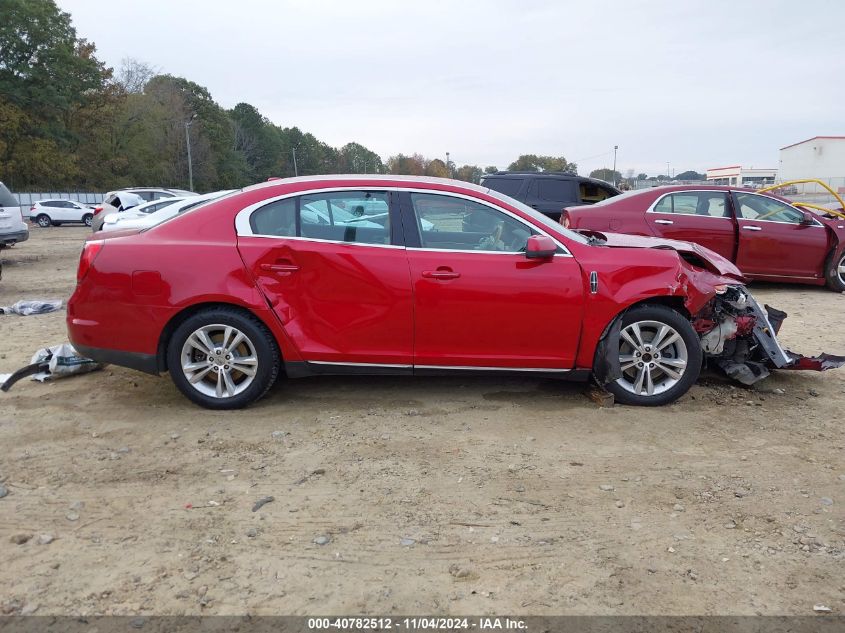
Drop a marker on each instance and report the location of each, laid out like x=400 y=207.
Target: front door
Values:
x=701 y=217
x=772 y=240
x=478 y=302
x=336 y=278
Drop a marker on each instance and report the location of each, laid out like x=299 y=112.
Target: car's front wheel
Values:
x=659 y=355
x=222 y=358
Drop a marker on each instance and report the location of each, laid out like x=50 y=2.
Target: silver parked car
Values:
x=12 y=227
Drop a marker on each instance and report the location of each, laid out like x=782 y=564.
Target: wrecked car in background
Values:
x=406 y=275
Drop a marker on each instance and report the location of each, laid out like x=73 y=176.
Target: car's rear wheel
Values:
x=43 y=220
x=835 y=273
x=222 y=358
x=659 y=355
x=87 y=219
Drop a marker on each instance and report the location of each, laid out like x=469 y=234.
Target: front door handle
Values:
x=752 y=228
x=281 y=269
x=663 y=222
x=440 y=274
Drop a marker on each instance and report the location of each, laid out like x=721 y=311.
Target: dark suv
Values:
x=549 y=191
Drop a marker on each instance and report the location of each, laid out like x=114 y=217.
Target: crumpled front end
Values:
x=740 y=337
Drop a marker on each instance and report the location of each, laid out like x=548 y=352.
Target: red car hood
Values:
x=716 y=262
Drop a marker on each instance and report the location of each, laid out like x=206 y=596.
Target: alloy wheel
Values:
x=840 y=270
x=219 y=360
x=652 y=356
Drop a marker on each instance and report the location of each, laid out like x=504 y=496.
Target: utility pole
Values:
x=448 y=168
x=615 y=147
x=295 y=170
x=188 y=124
x=667 y=170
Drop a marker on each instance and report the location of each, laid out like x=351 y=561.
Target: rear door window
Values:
x=555 y=190
x=508 y=186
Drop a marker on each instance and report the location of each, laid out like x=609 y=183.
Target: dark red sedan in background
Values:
x=403 y=275
x=764 y=235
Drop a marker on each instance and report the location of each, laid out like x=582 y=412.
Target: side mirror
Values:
x=807 y=219
x=540 y=247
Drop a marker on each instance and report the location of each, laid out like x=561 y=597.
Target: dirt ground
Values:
x=429 y=495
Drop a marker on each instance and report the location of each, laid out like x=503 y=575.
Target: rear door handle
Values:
x=281 y=269
x=663 y=222
x=440 y=274
x=752 y=228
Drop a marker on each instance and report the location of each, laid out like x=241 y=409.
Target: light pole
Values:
x=295 y=170
x=448 y=168
x=667 y=170
x=188 y=124
x=615 y=147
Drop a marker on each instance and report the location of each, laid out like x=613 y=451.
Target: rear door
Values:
x=550 y=195
x=702 y=217
x=332 y=266
x=773 y=242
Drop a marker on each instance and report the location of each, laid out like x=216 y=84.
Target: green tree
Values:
x=533 y=162
x=642 y=177
x=47 y=75
x=690 y=175
x=354 y=158
x=406 y=165
x=469 y=173
x=491 y=169
x=436 y=168
x=606 y=174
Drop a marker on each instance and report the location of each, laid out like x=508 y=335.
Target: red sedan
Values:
x=764 y=235
x=403 y=275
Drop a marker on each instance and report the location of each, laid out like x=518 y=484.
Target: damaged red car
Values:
x=764 y=235
x=404 y=275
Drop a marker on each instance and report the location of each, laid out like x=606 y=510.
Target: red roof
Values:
x=812 y=139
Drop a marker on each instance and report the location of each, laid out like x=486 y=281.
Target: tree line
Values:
x=67 y=121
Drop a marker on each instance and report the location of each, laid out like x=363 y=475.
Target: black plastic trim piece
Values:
x=147 y=363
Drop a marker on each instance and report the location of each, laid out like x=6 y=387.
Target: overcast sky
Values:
x=697 y=84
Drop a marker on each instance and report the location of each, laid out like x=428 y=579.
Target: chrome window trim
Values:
x=243 y=228
x=696 y=215
x=453 y=194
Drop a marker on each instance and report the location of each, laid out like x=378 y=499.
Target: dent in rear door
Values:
x=338 y=302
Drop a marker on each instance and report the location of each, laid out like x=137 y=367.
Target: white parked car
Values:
x=55 y=212
x=145 y=208
x=137 y=219
x=12 y=227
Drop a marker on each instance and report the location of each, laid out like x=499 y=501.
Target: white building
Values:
x=737 y=176
x=818 y=157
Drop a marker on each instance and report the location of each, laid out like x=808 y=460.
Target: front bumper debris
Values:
x=741 y=338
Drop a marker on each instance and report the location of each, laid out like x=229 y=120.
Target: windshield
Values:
x=546 y=221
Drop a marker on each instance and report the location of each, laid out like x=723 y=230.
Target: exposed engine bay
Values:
x=740 y=338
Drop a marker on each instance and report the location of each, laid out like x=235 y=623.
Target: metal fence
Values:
x=86 y=197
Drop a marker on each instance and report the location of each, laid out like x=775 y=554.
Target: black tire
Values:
x=667 y=316
x=834 y=273
x=257 y=336
x=43 y=220
x=87 y=219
